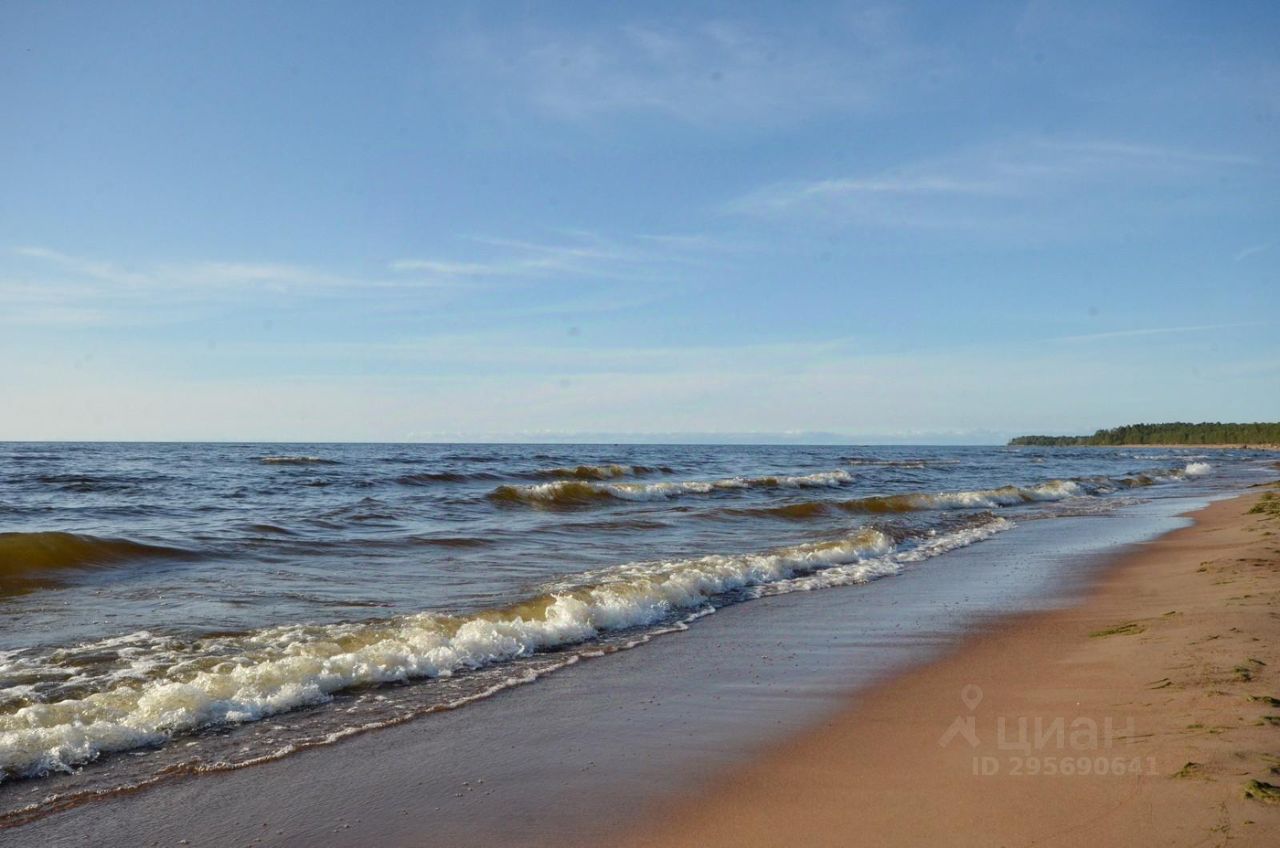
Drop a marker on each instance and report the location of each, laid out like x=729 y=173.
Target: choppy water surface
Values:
x=174 y=608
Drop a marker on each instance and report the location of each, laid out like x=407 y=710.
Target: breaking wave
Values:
x=162 y=686
x=1003 y=496
x=569 y=493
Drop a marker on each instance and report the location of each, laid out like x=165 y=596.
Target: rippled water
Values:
x=176 y=608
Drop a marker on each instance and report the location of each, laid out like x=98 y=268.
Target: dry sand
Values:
x=1175 y=651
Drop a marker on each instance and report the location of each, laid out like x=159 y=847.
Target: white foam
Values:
x=244 y=678
x=576 y=490
x=861 y=572
x=1052 y=490
x=1197 y=469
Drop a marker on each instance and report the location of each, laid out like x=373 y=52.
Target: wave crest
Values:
x=178 y=687
x=1003 y=496
x=27 y=559
x=570 y=493
x=53 y=549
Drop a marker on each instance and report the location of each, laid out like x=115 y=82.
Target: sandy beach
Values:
x=1146 y=715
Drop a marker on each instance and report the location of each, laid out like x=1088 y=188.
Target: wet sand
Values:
x=1146 y=715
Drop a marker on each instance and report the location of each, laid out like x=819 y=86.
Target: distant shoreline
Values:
x=1257 y=435
x=1226 y=446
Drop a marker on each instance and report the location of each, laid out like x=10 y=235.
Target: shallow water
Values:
x=221 y=604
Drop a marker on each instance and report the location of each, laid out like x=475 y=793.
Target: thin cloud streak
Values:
x=968 y=186
x=1254 y=250
x=595 y=272
x=107 y=293
x=1160 y=331
x=192 y=275
x=641 y=258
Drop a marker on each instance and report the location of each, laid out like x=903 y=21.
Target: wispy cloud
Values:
x=189 y=275
x=521 y=259
x=579 y=254
x=902 y=184
x=1254 y=250
x=994 y=185
x=591 y=272
x=1161 y=331
x=705 y=73
x=44 y=286
x=91 y=268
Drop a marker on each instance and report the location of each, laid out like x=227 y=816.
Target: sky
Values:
x=922 y=222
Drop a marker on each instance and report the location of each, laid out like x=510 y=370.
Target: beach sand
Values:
x=1165 y=678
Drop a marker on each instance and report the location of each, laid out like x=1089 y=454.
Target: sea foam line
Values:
x=579 y=492
x=1003 y=496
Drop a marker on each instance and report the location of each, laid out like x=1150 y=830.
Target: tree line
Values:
x=1175 y=433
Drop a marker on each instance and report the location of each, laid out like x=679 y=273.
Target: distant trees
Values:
x=1175 y=433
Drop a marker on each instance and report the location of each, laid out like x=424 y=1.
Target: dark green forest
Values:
x=1175 y=433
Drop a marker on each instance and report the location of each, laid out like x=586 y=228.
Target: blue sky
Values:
x=916 y=222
